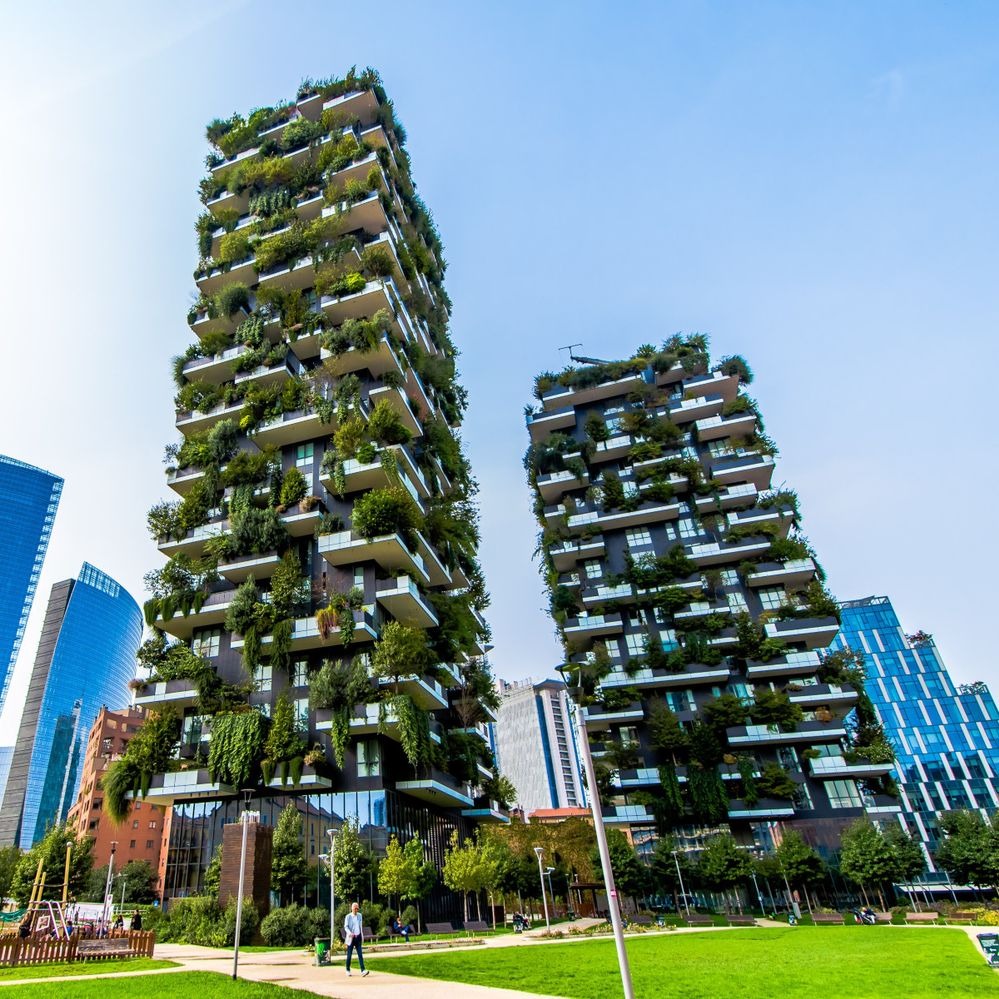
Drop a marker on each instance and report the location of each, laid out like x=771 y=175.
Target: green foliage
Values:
x=774 y=707
x=293 y=487
x=630 y=875
x=149 y=752
x=285 y=746
x=775 y=782
x=10 y=857
x=708 y=797
x=236 y=746
x=414 y=727
x=651 y=571
x=352 y=861
x=337 y=686
x=289 y=869
x=665 y=731
x=51 y=850
x=385 y=425
x=389 y=510
x=294 y=926
x=722 y=864
x=725 y=711
x=735 y=365
x=401 y=651
x=212 y=880
x=969 y=848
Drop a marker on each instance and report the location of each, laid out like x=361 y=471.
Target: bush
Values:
x=294 y=925
x=375 y=916
x=386 y=511
x=200 y=921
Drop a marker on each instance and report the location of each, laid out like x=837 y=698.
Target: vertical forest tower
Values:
x=318 y=630
x=692 y=610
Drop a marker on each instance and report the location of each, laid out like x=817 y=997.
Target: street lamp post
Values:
x=539 y=851
x=598 y=828
x=124 y=882
x=247 y=792
x=107 y=885
x=551 y=889
x=332 y=835
x=679 y=875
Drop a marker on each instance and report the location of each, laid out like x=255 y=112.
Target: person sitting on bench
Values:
x=399 y=930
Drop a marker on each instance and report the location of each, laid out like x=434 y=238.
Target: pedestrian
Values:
x=119 y=922
x=136 y=923
x=24 y=927
x=353 y=936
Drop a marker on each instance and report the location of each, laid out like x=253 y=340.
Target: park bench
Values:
x=640 y=920
x=922 y=917
x=108 y=947
x=963 y=917
x=741 y=920
x=833 y=918
x=436 y=929
x=698 y=919
x=477 y=926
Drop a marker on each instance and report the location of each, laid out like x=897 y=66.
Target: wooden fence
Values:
x=15 y=952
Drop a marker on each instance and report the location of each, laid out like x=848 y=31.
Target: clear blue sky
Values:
x=812 y=185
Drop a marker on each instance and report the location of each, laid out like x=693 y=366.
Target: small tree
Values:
x=402 y=651
x=866 y=857
x=722 y=864
x=631 y=877
x=352 y=862
x=212 y=880
x=10 y=857
x=970 y=848
x=51 y=850
x=464 y=869
x=799 y=863
x=289 y=868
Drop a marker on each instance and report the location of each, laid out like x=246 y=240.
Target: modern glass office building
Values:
x=85 y=659
x=946 y=738
x=29 y=498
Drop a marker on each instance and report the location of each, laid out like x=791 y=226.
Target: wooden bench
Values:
x=640 y=920
x=922 y=917
x=113 y=947
x=964 y=917
x=477 y=926
x=438 y=928
x=741 y=920
x=697 y=919
x=833 y=918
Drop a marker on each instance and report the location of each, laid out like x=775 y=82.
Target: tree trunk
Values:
x=478 y=906
x=464 y=898
x=492 y=906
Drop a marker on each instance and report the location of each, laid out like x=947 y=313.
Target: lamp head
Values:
x=539 y=851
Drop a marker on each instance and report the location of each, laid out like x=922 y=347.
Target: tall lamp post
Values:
x=245 y=819
x=540 y=852
x=679 y=876
x=332 y=835
x=551 y=889
x=577 y=693
x=107 y=885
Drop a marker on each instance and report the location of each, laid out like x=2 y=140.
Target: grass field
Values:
x=182 y=985
x=83 y=968
x=830 y=962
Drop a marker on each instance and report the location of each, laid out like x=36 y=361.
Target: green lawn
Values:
x=182 y=985
x=830 y=962
x=83 y=968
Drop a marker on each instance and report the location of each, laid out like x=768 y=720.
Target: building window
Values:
x=843 y=794
x=772 y=597
x=305 y=455
x=150 y=843
x=594 y=570
x=635 y=644
x=300 y=673
x=152 y=824
x=135 y=823
x=131 y=844
x=638 y=537
x=136 y=806
x=369 y=758
x=206 y=642
x=302 y=712
x=688 y=527
x=262 y=677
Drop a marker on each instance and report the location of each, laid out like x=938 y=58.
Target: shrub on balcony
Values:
x=285 y=748
x=340 y=614
x=735 y=365
x=390 y=510
x=596 y=428
x=331 y=282
x=377 y=262
x=233 y=248
x=401 y=651
x=385 y=425
x=290 y=591
x=148 y=752
x=651 y=571
x=337 y=686
x=724 y=711
x=775 y=782
x=251 y=468
x=611 y=491
x=774 y=707
x=236 y=746
x=293 y=487
x=666 y=732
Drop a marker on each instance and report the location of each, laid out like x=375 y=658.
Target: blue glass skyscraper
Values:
x=29 y=498
x=85 y=659
x=946 y=739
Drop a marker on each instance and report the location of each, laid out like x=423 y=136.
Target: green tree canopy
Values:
x=722 y=864
x=51 y=850
x=969 y=850
x=289 y=868
x=352 y=862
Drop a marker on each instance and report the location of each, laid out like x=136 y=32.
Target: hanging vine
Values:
x=236 y=745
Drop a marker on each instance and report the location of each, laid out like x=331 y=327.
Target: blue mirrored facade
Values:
x=91 y=664
x=946 y=738
x=29 y=498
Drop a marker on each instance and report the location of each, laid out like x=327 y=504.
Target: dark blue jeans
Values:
x=355 y=944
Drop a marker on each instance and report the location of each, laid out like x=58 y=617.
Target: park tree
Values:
x=631 y=876
x=405 y=872
x=969 y=849
x=867 y=858
x=352 y=862
x=137 y=878
x=799 y=863
x=722 y=864
x=51 y=850
x=10 y=857
x=909 y=859
x=289 y=868
x=663 y=869
x=466 y=869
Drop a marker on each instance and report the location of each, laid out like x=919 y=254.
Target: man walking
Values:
x=353 y=935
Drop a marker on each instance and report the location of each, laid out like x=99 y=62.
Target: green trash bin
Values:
x=322 y=951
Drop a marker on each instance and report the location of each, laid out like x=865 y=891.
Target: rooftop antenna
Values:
x=579 y=359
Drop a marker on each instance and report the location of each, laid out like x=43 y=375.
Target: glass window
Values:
x=369 y=758
x=300 y=673
x=613 y=647
x=638 y=537
x=730 y=577
x=843 y=794
x=688 y=527
x=304 y=455
x=594 y=569
x=302 y=712
x=205 y=642
x=635 y=643
x=772 y=597
x=262 y=677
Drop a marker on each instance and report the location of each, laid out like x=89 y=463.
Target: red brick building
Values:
x=141 y=835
